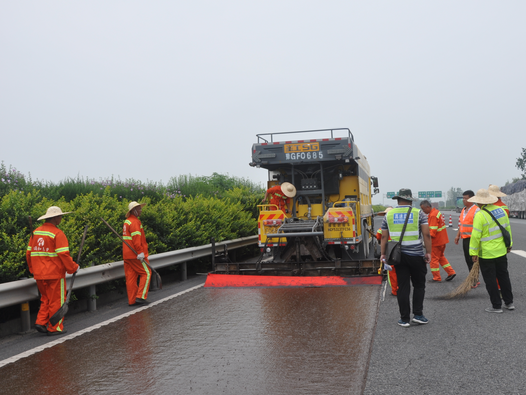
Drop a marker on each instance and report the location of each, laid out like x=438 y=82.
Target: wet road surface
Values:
x=216 y=341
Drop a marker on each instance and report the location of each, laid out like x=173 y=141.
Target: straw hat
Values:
x=288 y=189
x=382 y=213
x=483 y=197
x=132 y=205
x=495 y=191
x=53 y=211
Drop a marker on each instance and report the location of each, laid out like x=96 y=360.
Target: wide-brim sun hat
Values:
x=53 y=211
x=382 y=213
x=405 y=194
x=495 y=191
x=483 y=197
x=132 y=205
x=288 y=189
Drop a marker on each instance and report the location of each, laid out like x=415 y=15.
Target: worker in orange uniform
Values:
x=495 y=191
x=466 y=227
x=439 y=239
x=48 y=259
x=391 y=274
x=280 y=195
x=135 y=262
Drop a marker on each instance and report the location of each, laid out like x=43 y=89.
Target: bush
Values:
x=186 y=213
x=170 y=224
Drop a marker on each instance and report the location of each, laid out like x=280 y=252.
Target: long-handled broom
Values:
x=55 y=318
x=467 y=285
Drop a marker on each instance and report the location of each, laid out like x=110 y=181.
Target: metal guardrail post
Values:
x=25 y=317
x=184 y=273
x=213 y=243
x=92 y=300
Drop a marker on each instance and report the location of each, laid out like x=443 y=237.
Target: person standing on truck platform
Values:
x=280 y=195
x=49 y=260
x=135 y=265
x=488 y=247
x=466 y=227
x=391 y=274
x=495 y=191
x=412 y=268
x=439 y=239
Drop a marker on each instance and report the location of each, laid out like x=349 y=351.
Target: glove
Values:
x=141 y=257
x=387 y=266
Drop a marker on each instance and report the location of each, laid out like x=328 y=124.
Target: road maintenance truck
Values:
x=326 y=228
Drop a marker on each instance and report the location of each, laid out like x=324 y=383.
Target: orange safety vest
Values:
x=437 y=228
x=500 y=203
x=466 y=221
x=277 y=197
x=133 y=234
x=48 y=255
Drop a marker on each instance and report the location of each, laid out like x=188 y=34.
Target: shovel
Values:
x=155 y=282
x=64 y=309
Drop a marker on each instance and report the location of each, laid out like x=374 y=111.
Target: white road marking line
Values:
x=91 y=328
x=519 y=252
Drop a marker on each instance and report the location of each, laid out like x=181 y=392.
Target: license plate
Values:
x=302 y=147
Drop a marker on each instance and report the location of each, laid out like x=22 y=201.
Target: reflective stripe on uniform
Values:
x=44 y=233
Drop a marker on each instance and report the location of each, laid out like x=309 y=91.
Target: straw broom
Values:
x=465 y=287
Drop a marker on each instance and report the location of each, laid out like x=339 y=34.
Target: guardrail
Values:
x=23 y=291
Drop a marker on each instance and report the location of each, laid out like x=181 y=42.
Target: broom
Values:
x=465 y=287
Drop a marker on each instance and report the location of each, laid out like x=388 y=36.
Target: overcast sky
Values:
x=434 y=92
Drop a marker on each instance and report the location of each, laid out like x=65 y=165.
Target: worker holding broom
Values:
x=136 y=259
x=488 y=248
x=48 y=259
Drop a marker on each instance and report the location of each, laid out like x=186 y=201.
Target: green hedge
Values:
x=171 y=223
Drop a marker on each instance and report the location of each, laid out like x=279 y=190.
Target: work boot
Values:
x=451 y=277
x=41 y=328
x=141 y=301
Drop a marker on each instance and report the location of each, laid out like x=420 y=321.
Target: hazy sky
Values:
x=434 y=92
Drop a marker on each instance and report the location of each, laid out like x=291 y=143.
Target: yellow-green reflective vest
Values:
x=486 y=239
x=395 y=223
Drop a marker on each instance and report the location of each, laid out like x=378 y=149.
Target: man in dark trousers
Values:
x=412 y=268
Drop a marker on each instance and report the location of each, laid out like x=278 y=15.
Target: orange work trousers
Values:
x=438 y=259
x=135 y=269
x=52 y=297
x=393 y=281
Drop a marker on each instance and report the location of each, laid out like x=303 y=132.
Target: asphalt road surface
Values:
x=463 y=350
x=283 y=341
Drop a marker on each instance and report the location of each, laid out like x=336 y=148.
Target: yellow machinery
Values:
x=327 y=228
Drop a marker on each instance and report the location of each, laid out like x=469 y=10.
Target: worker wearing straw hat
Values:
x=280 y=195
x=48 y=259
x=488 y=248
x=495 y=191
x=391 y=274
x=135 y=262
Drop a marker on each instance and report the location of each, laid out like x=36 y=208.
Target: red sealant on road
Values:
x=235 y=280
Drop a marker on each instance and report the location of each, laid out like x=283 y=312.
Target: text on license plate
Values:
x=302 y=147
